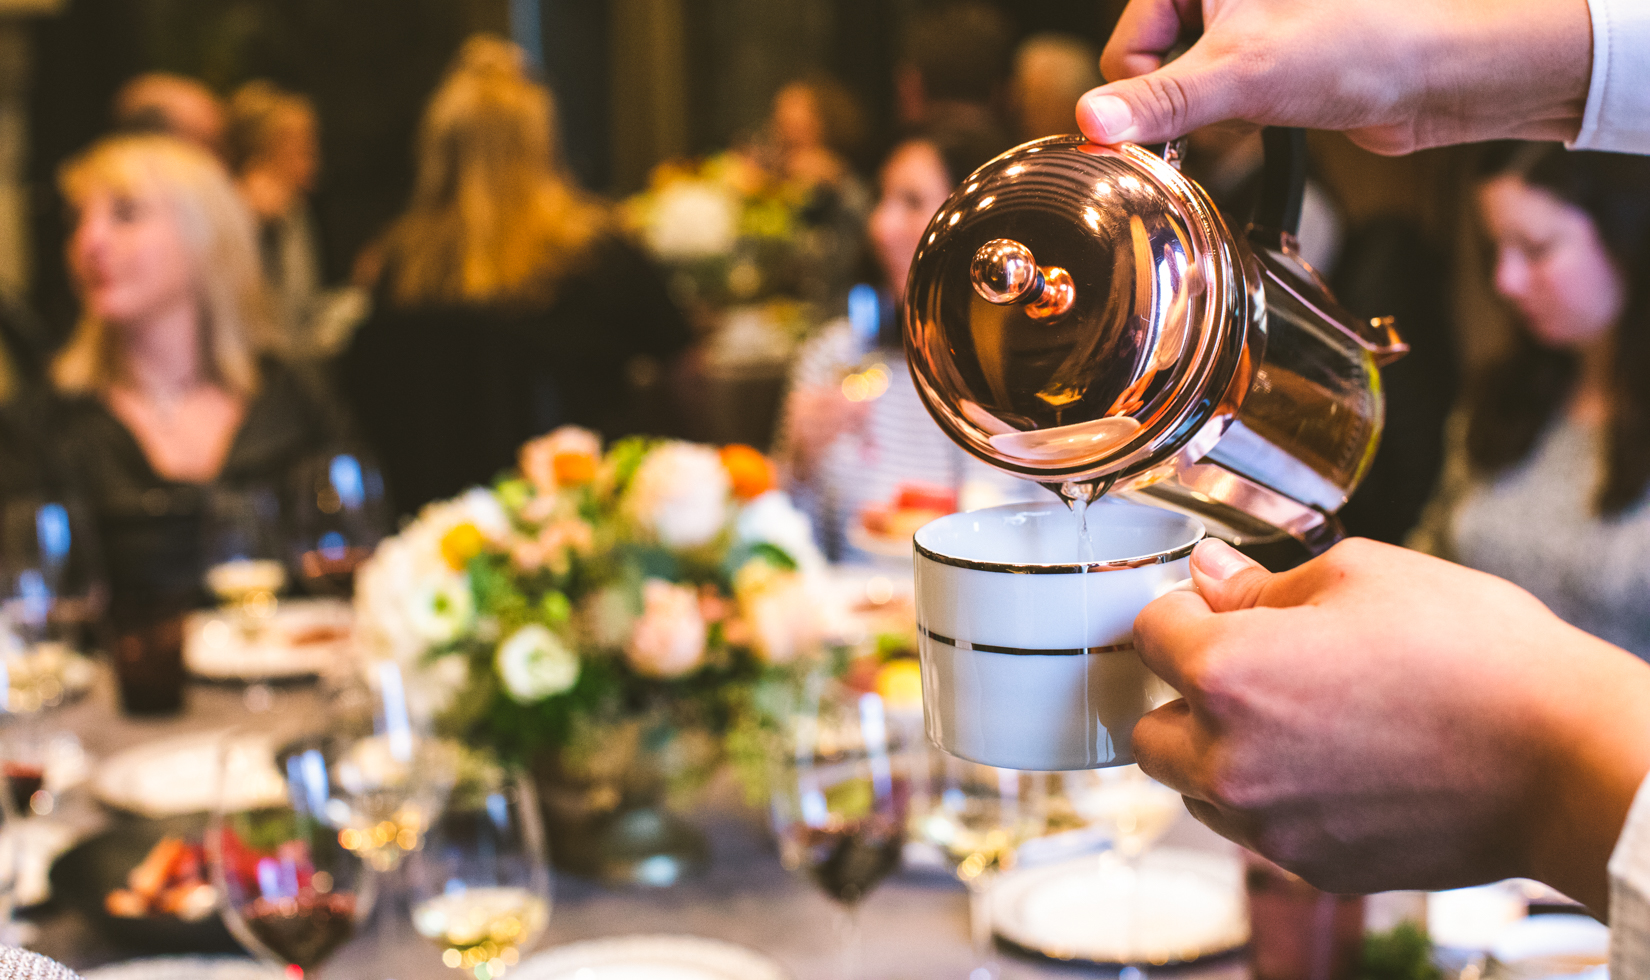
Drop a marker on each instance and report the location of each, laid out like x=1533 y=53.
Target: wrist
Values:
x=1506 y=69
x=1595 y=753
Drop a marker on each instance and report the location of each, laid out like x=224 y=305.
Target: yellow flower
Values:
x=460 y=544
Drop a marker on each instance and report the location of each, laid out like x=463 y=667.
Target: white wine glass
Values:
x=480 y=885
x=1133 y=811
x=978 y=816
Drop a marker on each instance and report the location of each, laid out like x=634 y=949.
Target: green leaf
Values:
x=1404 y=953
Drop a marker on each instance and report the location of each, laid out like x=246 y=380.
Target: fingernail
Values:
x=1219 y=560
x=1111 y=115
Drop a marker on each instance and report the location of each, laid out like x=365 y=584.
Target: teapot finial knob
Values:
x=1004 y=272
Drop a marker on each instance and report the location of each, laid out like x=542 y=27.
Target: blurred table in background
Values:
x=915 y=923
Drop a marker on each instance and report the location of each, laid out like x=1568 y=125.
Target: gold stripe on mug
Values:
x=1020 y=651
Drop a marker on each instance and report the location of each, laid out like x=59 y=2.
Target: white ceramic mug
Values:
x=1027 y=644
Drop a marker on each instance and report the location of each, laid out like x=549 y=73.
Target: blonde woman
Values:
x=504 y=305
x=162 y=389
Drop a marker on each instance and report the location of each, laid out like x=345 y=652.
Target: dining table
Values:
x=914 y=925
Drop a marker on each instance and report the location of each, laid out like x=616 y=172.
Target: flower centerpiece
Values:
x=614 y=620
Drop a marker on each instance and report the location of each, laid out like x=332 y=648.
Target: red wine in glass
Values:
x=25 y=780
x=305 y=930
x=848 y=858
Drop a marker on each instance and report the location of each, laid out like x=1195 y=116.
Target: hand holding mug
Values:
x=1379 y=719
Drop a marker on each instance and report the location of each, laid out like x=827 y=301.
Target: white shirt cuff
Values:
x=1630 y=893
x=1617 y=117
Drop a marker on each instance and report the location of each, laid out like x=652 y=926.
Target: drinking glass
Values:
x=480 y=885
x=290 y=891
x=338 y=517
x=1133 y=811
x=241 y=535
x=51 y=581
x=978 y=816
x=393 y=772
x=840 y=799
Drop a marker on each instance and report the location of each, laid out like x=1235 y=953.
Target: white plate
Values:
x=881 y=545
x=650 y=958
x=176 y=776
x=214 y=646
x=1184 y=905
x=1546 y=946
x=186 y=968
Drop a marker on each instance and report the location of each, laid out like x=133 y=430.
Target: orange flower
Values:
x=750 y=471
x=461 y=543
x=573 y=469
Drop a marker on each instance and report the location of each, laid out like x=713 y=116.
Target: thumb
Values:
x=1227 y=579
x=1158 y=106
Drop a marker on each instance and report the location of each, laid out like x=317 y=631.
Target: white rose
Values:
x=669 y=639
x=691 y=220
x=534 y=663
x=771 y=519
x=679 y=495
x=390 y=590
x=443 y=610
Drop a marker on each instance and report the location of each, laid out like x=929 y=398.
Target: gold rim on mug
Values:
x=1072 y=568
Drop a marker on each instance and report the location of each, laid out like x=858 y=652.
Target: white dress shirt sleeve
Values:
x=1617 y=117
x=1630 y=893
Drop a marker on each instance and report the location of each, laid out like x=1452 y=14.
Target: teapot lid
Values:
x=1074 y=310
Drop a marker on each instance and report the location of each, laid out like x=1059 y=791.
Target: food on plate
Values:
x=914 y=505
x=170 y=880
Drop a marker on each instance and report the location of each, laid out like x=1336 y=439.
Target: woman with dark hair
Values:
x=1548 y=486
x=854 y=429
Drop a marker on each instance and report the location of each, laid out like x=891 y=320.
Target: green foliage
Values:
x=1403 y=953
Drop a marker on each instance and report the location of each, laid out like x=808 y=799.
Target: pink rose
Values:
x=565 y=457
x=669 y=639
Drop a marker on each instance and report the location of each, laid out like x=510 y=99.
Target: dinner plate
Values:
x=302 y=639
x=1182 y=906
x=1550 y=946
x=650 y=958
x=179 y=775
x=186 y=968
x=84 y=876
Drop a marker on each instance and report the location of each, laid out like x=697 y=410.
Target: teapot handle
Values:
x=1283 y=184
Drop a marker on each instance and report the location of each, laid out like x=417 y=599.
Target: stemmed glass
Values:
x=290 y=891
x=1134 y=811
x=244 y=569
x=338 y=517
x=840 y=799
x=480 y=885
x=978 y=816
x=51 y=583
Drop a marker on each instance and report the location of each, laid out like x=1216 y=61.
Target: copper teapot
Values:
x=1081 y=315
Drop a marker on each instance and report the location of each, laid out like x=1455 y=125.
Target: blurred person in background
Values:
x=1051 y=72
x=504 y=302
x=274 y=153
x=162 y=391
x=161 y=102
x=853 y=429
x=1550 y=463
x=817 y=129
x=953 y=64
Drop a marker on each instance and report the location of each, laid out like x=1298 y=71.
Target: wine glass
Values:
x=51 y=582
x=393 y=771
x=244 y=570
x=338 y=517
x=1134 y=811
x=480 y=885
x=977 y=816
x=290 y=891
x=840 y=798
